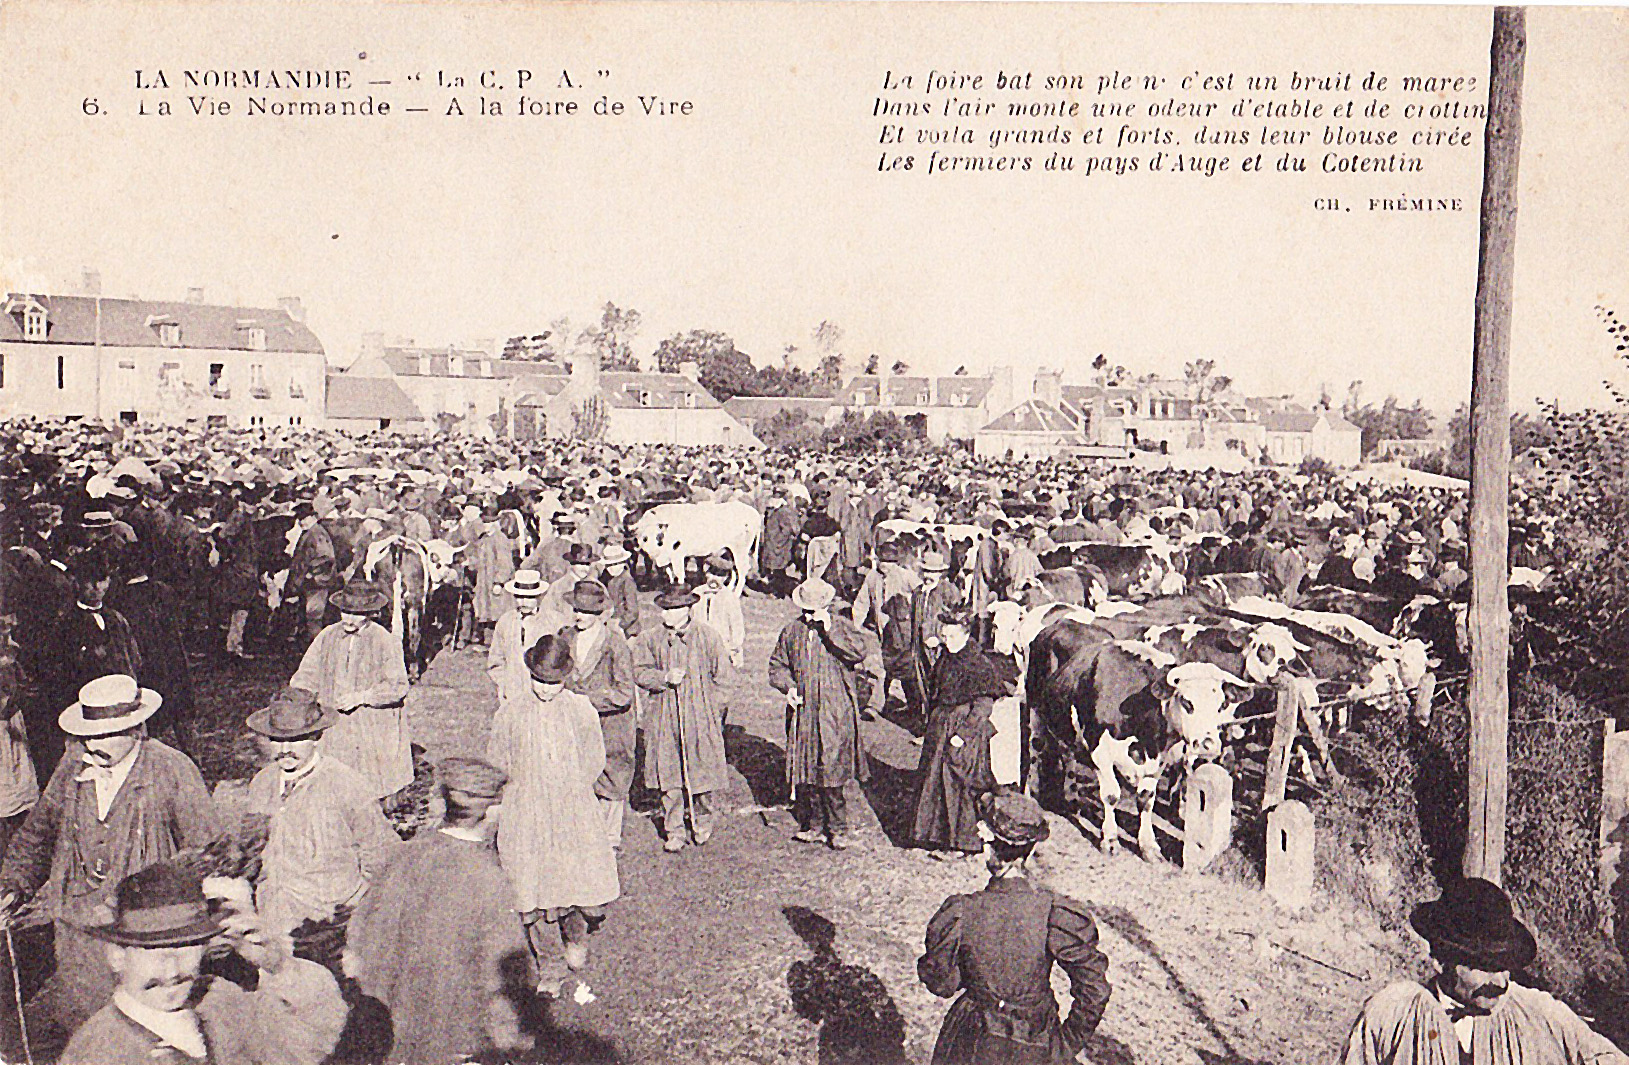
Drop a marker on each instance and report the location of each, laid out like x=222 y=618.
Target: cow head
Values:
x=1268 y=650
x=1005 y=617
x=1199 y=706
x=654 y=539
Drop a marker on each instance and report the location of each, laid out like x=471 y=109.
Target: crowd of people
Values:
x=135 y=556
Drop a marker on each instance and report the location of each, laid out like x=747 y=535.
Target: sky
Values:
x=763 y=213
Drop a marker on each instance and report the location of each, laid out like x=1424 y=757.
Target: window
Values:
x=2 y=369
x=644 y=398
x=169 y=334
x=257 y=381
x=61 y=367
x=34 y=323
x=169 y=375
x=127 y=364
x=455 y=366
x=689 y=399
x=257 y=419
x=256 y=337
x=296 y=390
x=296 y=419
x=216 y=421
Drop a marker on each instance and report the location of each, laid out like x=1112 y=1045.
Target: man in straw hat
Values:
x=815 y=664
x=327 y=838
x=551 y=835
x=1471 y=1013
x=163 y=1008
x=997 y=947
x=437 y=939
x=680 y=665
x=519 y=628
x=357 y=670
x=603 y=672
x=118 y=801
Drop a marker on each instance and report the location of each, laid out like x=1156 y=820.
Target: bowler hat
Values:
x=96 y=519
x=359 y=597
x=590 y=597
x=719 y=562
x=549 y=659
x=472 y=776
x=1013 y=817
x=160 y=906
x=292 y=713
x=1473 y=922
x=109 y=704
x=674 y=598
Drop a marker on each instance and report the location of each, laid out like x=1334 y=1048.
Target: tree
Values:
x=610 y=337
x=700 y=346
x=788 y=357
x=1197 y=375
x=828 y=335
x=900 y=368
x=871 y=365
x=789 y=429
x=829 y=374
x=1389 y=421
x=1117 y=376
x=1101 y=366
x=961 y=371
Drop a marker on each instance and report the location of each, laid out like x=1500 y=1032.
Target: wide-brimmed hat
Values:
x=934 y=562
x=580 y=555
x=1474 y=923
x=563 y=517
x=674 y=598
x=889 y=551
x=615 y=555
x=162 y=905
x=359 y=597
x=471 y=776
x=292 y=713
x=1013 y=817
x=109 y=704
x=590 y=597
x=813 y=594
x=549 y=659
x=526 y=583
x=718 y=562
x=96 y=519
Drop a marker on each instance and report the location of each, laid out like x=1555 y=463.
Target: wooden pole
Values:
x=1490 y=455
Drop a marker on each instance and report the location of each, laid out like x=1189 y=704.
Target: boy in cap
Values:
x=619 y=583
x=603 y=672
x=997 y=948
x=327 y=837
x=165 y=1010
x=437 y=939
x=119 y=800
x=1471 y=1013
x=719 y=607
x=680 y=666
x=357 y=669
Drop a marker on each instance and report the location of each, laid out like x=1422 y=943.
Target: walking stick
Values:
x=684 y=763
x=17 y=994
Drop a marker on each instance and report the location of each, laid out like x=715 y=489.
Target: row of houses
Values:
x=130 y=360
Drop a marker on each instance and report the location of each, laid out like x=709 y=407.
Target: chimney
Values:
x=691 y=369
x=1048 y=386
x=91 y=282
x=292 y=307
x=485 y=345
x=999 y=400
x=195 y=295
x=373 y=345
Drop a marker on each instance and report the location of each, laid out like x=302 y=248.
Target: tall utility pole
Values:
x=1490 y=455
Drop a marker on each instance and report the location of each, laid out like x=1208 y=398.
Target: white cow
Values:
x=669 y=533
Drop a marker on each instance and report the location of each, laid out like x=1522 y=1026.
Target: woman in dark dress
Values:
x=955 y=766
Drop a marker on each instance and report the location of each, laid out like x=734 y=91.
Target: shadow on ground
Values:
x=859 y=1022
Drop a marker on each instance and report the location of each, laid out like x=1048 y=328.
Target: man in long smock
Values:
x=679 y=665
x=814 y=664
x=603 y=672
x=356 y=668
x=551 y=834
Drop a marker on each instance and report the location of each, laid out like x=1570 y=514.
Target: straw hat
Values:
x=526 y=583
x=110 y=704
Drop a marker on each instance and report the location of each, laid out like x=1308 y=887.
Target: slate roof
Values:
x=1295 y=419
x=134 y=324
x=1034 y=416
x=664 y=390
x=406 y=362
x=369 y=398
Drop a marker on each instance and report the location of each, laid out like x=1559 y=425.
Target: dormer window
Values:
x=254 y=337
x=169 y=330
x=644 y=398
x=689 y=399
x=34 y=323
x=455 y=365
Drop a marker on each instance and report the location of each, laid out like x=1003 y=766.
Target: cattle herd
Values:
x=1158 y=619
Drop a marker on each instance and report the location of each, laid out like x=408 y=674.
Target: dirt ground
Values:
x=697 y=960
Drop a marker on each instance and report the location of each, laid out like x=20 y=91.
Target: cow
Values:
x=1131 y=708
x=402 y=567
x=1132 y=571
x=670 y=533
